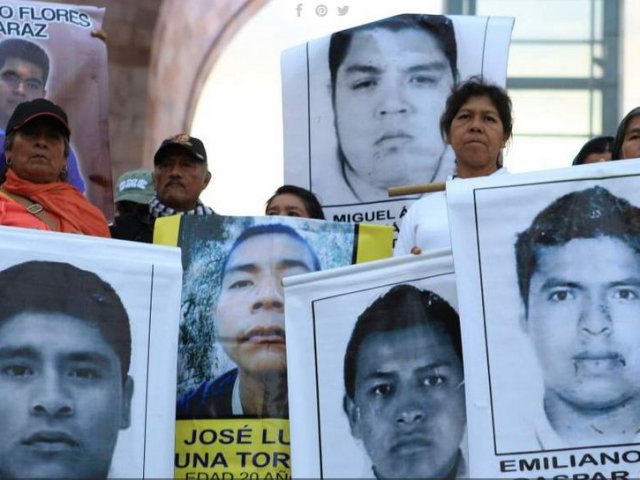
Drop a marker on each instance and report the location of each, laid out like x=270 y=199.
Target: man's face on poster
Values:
x=250 y=310
x=63 y=398
x=409 y=407
x=20 y=81
x=583 y=319
x=390 y=91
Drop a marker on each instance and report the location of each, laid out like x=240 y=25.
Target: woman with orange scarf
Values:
x=34 y=193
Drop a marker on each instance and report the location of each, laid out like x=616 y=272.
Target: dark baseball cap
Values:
x=192 y=145
x=40 y=107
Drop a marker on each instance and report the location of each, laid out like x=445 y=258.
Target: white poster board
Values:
x=72 y=285
x=350 y=138
x=553 y=390
x=321 y=312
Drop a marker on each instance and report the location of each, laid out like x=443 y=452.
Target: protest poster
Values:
x=548 y=275
x=362 y=107
x=232 y=408
x=375 y=369
x=88 y=343
x=47 y=50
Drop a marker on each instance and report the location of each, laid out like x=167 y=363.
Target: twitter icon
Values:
x=343 y=10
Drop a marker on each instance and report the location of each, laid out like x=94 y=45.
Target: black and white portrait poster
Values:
x=47 y=50
x=376 y=383
x=88 y=342
x=362 y=107
x=232 y=408
x=548 y=275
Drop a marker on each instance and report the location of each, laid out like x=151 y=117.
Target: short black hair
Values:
x=616 y=150
x=437 y=26
x=477 y=86
x=403 y=306
x=591 y=213
x=26 y=51
x=56 y=287
x=601 y=144
x=310 y=201
x=269 y=229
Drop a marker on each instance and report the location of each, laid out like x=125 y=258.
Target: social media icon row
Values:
x=322 y=10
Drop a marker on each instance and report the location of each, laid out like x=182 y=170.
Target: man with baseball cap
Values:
x=180 y=175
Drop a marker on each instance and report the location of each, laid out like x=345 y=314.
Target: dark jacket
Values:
x=136 y=226
x=212 y=399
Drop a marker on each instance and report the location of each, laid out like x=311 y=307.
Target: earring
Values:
x=63 y=174
x=8 y=162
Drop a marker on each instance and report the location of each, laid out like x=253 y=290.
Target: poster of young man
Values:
x=548 y=273
x=376 y=359
x=47 y=51
x=88 y=341
x=232 y=408
x=362 y=107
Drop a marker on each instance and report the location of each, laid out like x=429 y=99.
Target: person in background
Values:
x=180 y=175
x=33 y=190
x=596 y=150
x=134 y=191
x=477 y=123
x=627 y=142
x=24 y=71
x=294 y=201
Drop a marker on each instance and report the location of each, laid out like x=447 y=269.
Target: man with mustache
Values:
x=180 y=175
x=389 y=83
x=404 y=385
x=578 y=267
x=65 y=351
x=249 y=320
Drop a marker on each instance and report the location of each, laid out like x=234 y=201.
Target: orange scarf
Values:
x=65 y=203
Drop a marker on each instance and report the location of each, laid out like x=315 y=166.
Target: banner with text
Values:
x=232 y=410
x=548 y=277
x=47 y=50
x=362 y=107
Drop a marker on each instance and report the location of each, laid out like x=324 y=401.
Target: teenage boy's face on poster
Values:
x=409 y=407
x=390 y=92
x=20 y=81
x=584 y=321
x=250 y=311
x=63 y=399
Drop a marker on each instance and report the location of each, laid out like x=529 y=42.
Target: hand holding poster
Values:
x=87 y=353
x=548 y=268
x=47 y=50
x=362 y=107
x=232 y=407
x=375 y=368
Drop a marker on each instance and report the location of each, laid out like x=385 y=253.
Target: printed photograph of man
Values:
x=249 y=320
x=389 y=83
x=404 y=384
x=24 y=71
x=65 y=351
x=578 y=268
